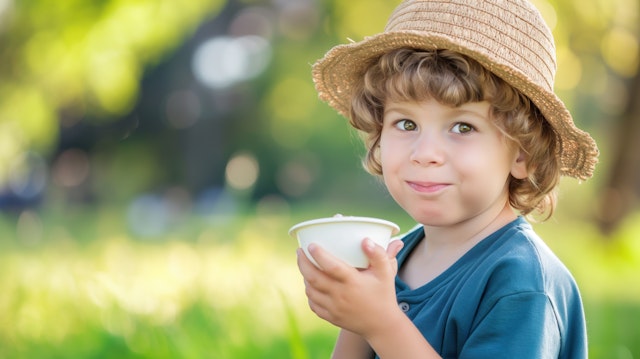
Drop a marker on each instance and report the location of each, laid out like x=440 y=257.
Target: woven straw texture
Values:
x=509 y=38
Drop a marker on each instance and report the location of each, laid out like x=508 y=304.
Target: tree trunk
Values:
x=620 y=193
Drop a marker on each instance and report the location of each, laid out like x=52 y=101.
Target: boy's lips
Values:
x=427 y=187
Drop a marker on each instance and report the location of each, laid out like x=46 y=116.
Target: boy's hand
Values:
x=350 y=298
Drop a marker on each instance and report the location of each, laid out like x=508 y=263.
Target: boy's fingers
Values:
x=328 y=263
x=394 y=248
x=374 y=252
x=303 y=262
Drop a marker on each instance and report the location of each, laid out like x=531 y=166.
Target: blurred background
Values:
x=154 y=153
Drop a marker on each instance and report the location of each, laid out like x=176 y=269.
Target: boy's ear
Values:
x=519 y=166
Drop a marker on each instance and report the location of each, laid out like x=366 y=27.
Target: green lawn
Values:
x=230 y=289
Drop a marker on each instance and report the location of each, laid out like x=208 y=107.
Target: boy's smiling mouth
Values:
x=427 y=187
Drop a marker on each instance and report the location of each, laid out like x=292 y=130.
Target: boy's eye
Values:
x=462 y=127
x=406 y=125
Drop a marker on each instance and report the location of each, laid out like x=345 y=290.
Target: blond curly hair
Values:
x=454 y=79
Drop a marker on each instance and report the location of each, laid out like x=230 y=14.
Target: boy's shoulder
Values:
x=514 y=254
x=519 y=259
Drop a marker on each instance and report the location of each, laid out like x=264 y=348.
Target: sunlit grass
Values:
x=202 y=297
x=231 y=289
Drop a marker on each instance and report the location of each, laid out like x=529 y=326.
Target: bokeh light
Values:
x=298 y=19
x=71 y=168
x=28 y=175
x=153 y=215
x=242 y=171
x=571 y=66
x=225 y=61
x=216 y=204
x=253 y=20
x=620 y=51
x=297 y=176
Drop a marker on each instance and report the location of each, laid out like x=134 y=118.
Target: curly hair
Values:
x=454 y=79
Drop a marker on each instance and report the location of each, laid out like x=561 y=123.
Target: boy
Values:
x=455 y=101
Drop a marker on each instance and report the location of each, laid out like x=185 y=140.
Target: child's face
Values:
x=446 y=165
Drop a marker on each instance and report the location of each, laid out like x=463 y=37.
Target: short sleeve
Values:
x=522 y=325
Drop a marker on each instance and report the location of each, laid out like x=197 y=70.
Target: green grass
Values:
x=203 y=291
x=231 y=289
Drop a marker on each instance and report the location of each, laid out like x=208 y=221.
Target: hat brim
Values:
x=346 y=64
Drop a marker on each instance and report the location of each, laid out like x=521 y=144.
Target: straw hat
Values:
x=509 y=38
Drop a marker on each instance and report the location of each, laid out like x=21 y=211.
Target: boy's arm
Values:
x=351 y=346
x=398 y=338
x=363 y=303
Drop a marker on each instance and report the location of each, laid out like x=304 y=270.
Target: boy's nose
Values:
x=427 y=150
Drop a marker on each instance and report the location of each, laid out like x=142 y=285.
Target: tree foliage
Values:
x=80 y=57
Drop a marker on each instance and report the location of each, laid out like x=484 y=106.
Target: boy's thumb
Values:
x=374 y=252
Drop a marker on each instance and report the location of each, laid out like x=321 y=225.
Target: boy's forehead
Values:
x=480 y=108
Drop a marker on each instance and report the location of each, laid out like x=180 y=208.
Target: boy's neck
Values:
x=443 y=246
x=468 y=233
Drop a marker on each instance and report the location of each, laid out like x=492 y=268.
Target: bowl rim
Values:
x=341 y=219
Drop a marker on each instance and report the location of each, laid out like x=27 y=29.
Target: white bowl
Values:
x=342 y=236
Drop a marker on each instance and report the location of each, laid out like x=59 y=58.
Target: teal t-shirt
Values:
x=507 y=297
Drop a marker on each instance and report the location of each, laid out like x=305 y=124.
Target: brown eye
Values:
x=462 y=128
x=406 y=125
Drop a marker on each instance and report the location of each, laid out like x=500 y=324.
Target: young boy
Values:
x=455 y=101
